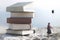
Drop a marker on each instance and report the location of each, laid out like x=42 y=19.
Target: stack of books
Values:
x=20 y=20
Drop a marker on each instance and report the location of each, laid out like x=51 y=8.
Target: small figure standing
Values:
x=49 y=29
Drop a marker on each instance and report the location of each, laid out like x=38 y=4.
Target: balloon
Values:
x=52 y=11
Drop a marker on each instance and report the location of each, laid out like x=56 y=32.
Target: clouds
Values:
x=44 y=4
x=47 y=4
x=42 y=10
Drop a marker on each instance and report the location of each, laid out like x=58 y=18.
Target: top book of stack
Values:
x=18 y=7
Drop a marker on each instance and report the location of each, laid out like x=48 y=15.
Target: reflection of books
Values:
x=11 y=38
x=16 y=32
x=37 y=34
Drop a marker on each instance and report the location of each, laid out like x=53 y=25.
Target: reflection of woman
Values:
x=48 y=29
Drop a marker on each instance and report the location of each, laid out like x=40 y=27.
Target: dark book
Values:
x=19 y=20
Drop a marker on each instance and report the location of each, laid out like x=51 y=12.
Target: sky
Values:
x=42 y=12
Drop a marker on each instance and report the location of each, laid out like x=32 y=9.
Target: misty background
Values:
x=42 y=12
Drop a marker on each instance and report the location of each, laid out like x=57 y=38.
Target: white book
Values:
x=17 y=7
x=14 y=9
x=22 y=14
x=20 y=26
x=20 y=32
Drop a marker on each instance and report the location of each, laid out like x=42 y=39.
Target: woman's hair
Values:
x=48 y=22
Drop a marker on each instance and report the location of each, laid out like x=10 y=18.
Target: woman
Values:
x=48 y=29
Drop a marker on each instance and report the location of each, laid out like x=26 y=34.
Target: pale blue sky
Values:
x=42 y=10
